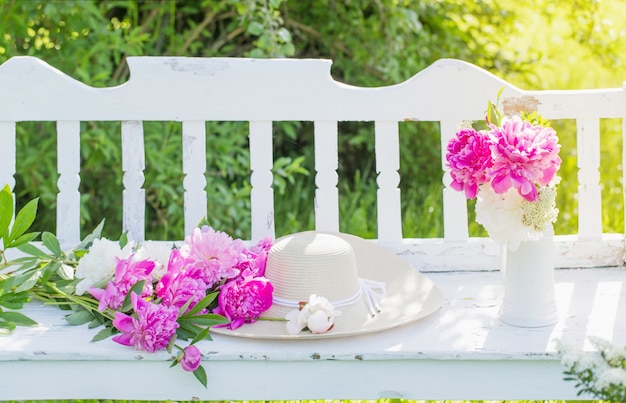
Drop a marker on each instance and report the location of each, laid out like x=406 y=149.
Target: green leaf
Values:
x=79 y=317
x=32 y=250
x=203 y=303
x=201 y=336
x=29 y=283
x=103 y=334
x=23 y=239
x=17 y=318
x=14 y=300
x=84 y=244
x=200 y=375
x=6 y=209
x=255 y=28
x=52 y=243
x=204 y=320
x=185 y=334
x=136 y=288
x=6 y=327
x=48 y=270
x=123 y=239
x=24 y=219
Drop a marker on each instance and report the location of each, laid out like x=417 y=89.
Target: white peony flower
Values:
x=159 y=252
x=317 y=315
x=99 y=263
x=509 y=218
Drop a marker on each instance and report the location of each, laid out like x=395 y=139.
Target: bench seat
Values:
x=461 y=352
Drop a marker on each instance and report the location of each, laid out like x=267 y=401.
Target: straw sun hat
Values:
x=372 y=288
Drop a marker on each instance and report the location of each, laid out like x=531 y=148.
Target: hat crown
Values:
x=312 y=263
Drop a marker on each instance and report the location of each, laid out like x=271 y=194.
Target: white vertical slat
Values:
x=326 y=164
x=194 y=169
x=589 y=194
x=68 y=198
x=454 y=203
x=387 y=166
x=262 y=194
x=7 y=154
x=133 y=165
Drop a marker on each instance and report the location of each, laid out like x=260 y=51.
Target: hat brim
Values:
x=410 y=296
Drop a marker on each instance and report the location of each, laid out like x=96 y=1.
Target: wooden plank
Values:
x=68 y=198
x=262 y=194
x=7 y=154
x=133 y=165
x=178 y=88
x=387 y=166
x=589 y=196
x=194 y=169
x=326 y=164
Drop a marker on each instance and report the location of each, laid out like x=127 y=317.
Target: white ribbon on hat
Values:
x=372 y=291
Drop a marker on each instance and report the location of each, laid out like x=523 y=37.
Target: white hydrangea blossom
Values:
x=511 y=219
x=98 y=264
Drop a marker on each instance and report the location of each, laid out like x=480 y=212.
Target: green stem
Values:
x=85 y=302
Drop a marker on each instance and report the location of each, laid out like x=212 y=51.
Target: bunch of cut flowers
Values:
x=151 y=296
x=509 y=165
x=601 y=373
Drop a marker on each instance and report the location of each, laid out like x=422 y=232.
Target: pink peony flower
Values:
x=213 y=252
x=127 y=273
x=255 y=258
x=177 y=286
x=151 y=329
x=524 y=155
x=243 y=300
x=190 y=361
x=469 y=158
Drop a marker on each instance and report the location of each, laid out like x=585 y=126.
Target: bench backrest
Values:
x=196 y=90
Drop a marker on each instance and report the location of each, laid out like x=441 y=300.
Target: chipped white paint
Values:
x=462 y=341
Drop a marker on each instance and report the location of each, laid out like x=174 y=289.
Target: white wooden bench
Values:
x=461 y=352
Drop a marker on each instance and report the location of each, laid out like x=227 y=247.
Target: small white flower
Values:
x=317 y=315
x=99 y=263
x=611 y=376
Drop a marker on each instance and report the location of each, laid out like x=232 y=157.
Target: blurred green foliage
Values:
x=371 y=43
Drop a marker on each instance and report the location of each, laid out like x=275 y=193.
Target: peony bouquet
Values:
x=150 y=296
x=510 y=167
